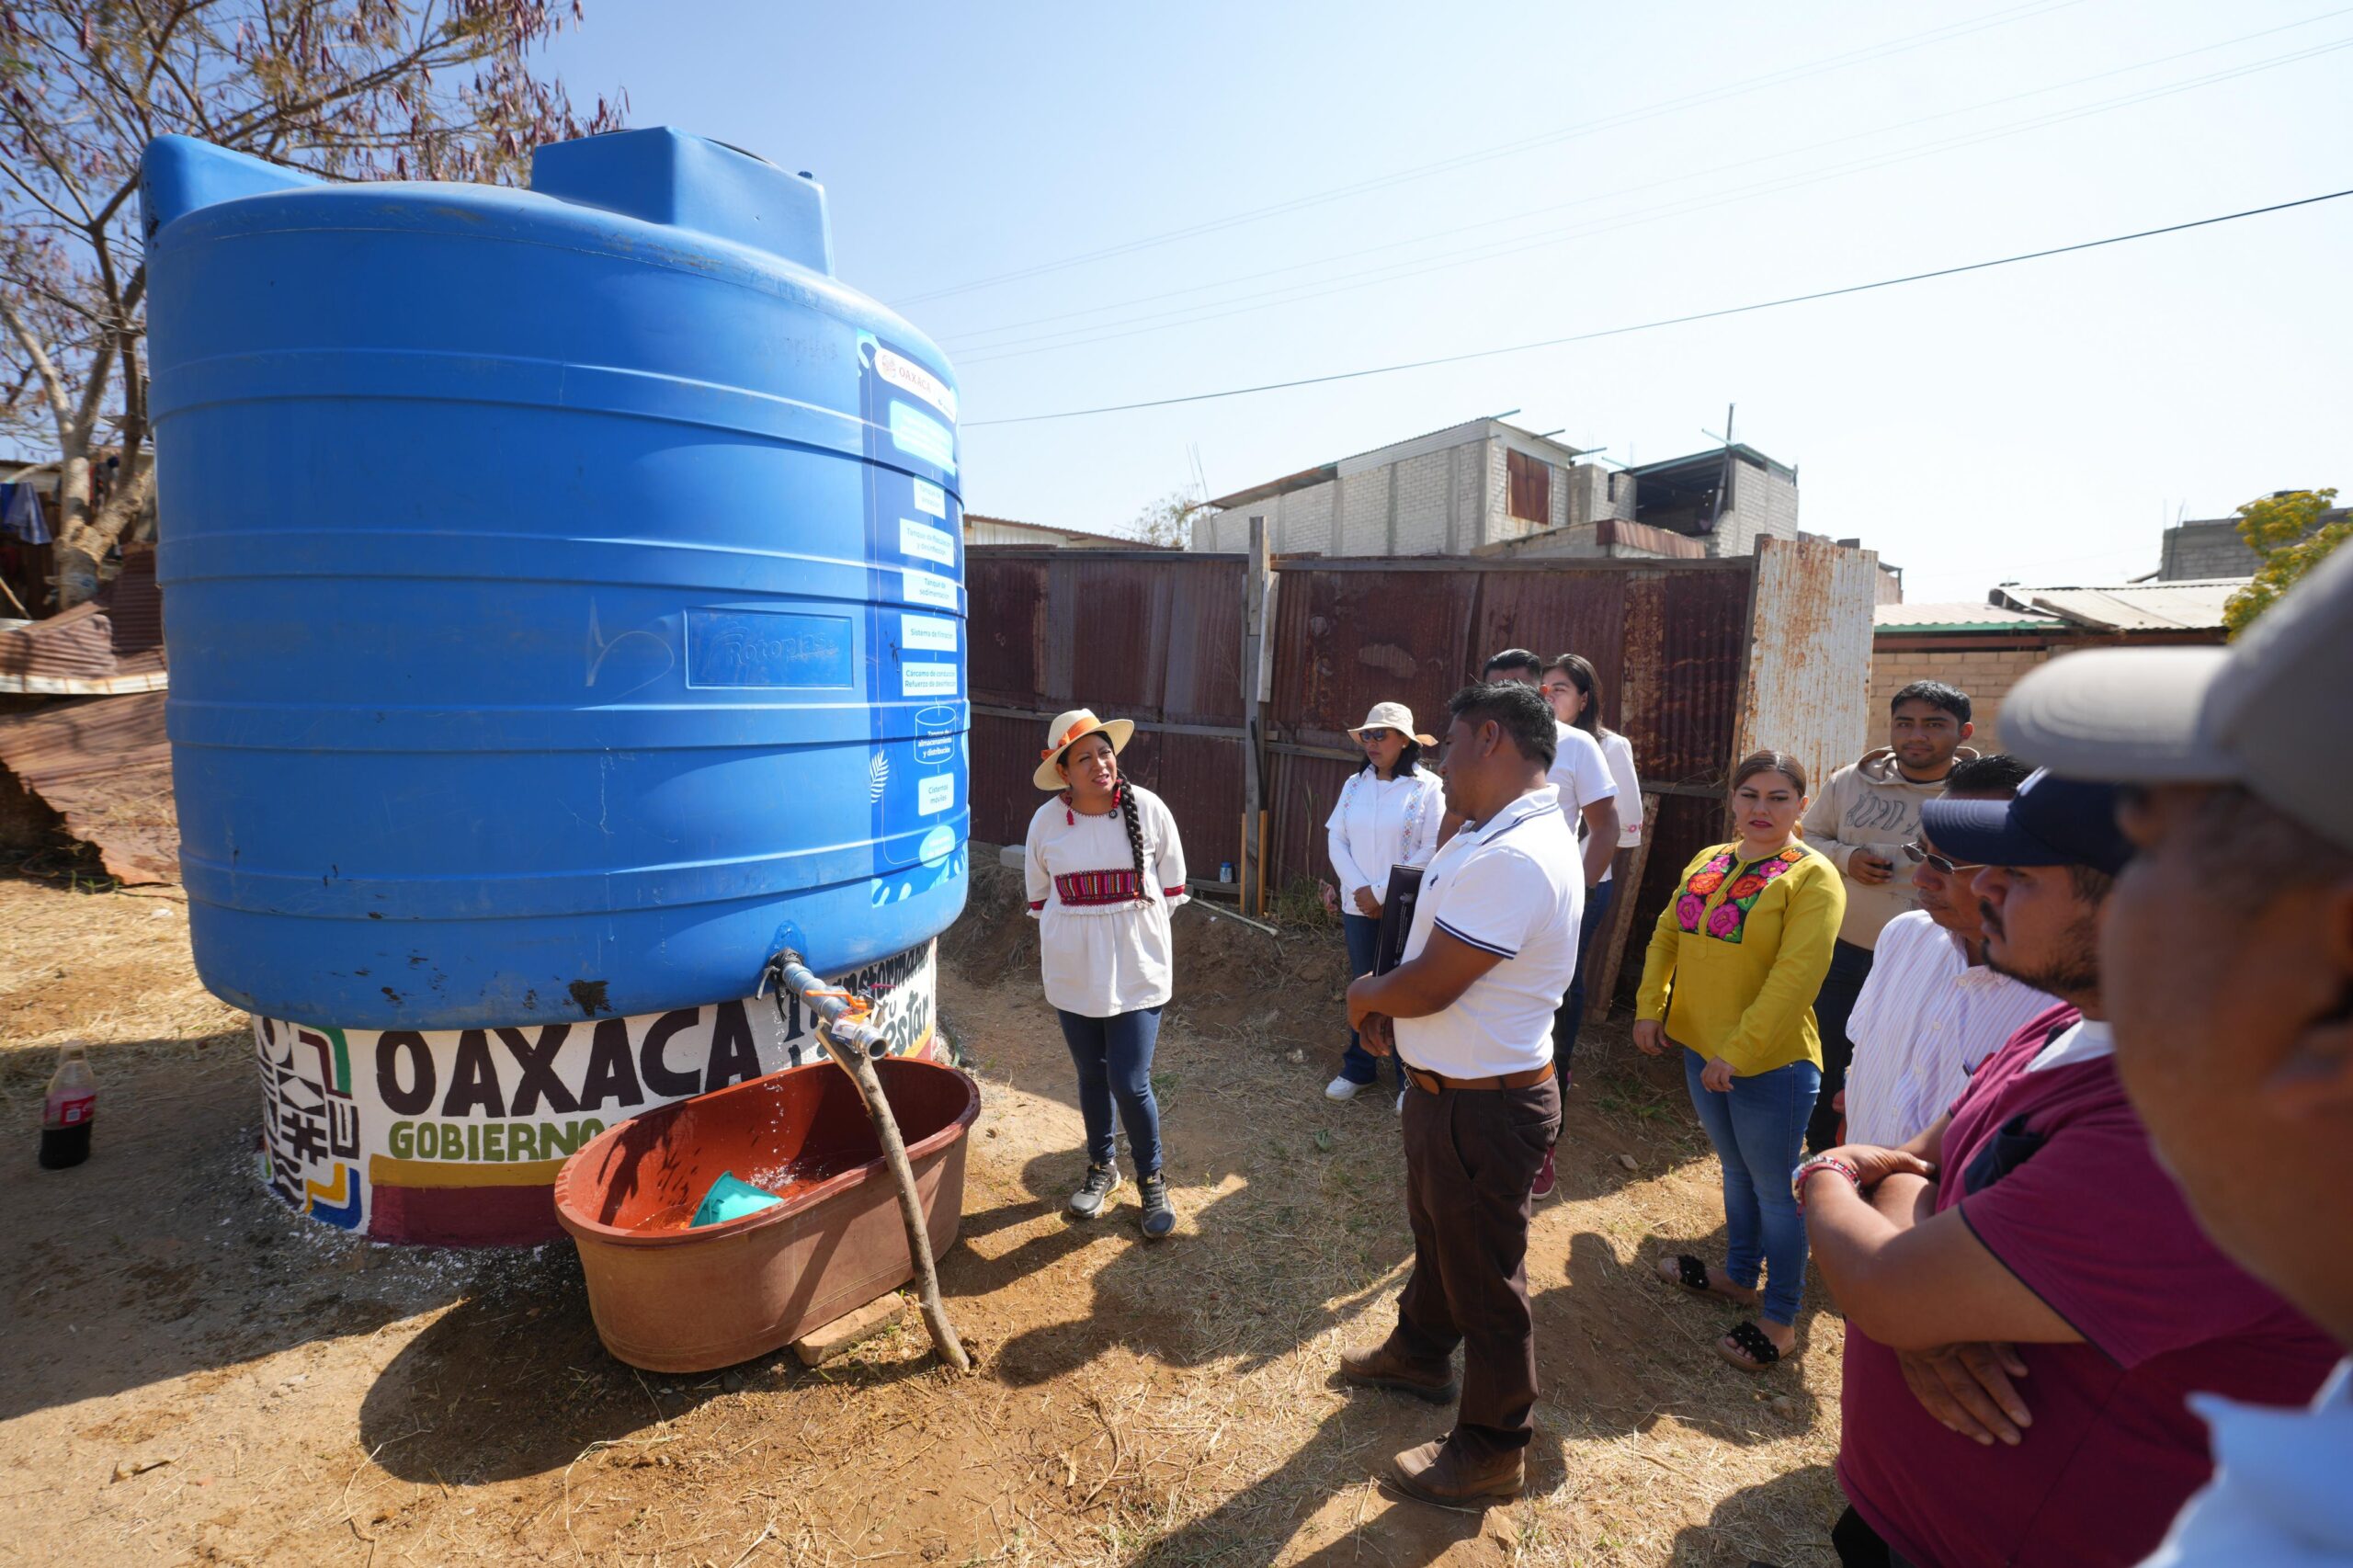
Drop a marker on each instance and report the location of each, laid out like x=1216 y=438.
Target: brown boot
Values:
x=1383 y=1368
x=1441 y=1473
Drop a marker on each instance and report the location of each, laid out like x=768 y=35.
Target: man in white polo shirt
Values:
x=1469 y=1014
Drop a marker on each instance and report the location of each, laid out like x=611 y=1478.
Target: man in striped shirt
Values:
x=1932 y=1010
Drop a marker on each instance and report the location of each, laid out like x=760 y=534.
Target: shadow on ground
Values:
x=1801 y=1504
x=162 y=1256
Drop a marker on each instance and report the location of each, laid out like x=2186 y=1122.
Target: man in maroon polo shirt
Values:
x=2032 y=1236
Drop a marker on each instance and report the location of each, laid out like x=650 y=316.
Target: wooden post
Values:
x=1252 y=870
x=1262 y=865
x=1619 y=929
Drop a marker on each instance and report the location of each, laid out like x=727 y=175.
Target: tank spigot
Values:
x=842 y=1017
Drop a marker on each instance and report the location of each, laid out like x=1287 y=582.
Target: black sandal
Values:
x=1749 y=1339
x=1691 y=1274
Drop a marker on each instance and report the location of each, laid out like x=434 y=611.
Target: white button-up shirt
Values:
x=1512 y=887
x=1924 y=1020
x=1380 y=824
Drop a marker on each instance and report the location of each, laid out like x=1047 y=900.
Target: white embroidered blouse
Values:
x=1103 y=941
x=1378 y=823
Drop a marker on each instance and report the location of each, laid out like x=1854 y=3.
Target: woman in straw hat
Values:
x=1106 y=867
x=1387 y=815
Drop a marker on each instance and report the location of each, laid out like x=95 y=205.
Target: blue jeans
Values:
x=1571 y=1012
x=1114 y=1060
x=1363 y=934
x=1758 y=1128
x=1849 y=967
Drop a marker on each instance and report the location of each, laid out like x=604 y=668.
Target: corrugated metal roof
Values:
x=2195 y=606
x=1128 y=541
x=105 y=765
x=113 y=643
x=1960 y=616
x=1704 y=462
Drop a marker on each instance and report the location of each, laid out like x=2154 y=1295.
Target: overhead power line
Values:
x=967 y=348
x=1881 y=50
x=1669 y=321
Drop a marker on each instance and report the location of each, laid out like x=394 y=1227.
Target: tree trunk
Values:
x=77 y=564
x=86 y=532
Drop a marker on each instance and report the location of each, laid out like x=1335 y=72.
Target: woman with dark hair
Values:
x=1737 y=955
x=1387 y=815
x=1105 y=867
x=1573 y=690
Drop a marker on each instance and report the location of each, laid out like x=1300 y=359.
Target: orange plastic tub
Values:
x=670 y=1298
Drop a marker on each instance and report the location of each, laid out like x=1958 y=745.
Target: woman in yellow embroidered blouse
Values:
x=1730 y=978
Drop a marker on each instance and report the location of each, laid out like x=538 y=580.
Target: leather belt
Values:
x=1437 y=1083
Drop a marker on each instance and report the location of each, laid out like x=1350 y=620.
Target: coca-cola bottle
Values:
x=66 y=1114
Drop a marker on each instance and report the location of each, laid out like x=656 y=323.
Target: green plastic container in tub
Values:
x=670 y=1297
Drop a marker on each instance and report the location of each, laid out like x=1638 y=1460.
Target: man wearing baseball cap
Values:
x=2228 y=944
x=2044 y=1244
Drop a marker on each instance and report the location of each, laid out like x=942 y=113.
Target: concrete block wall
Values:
x=1297 y=523
x=1493 y=520
x=1763 y=505
x=1466 y=467
x=1363 y=511
x=1422 y=492
x=1986 y=674
x=2195 y=551
x=1586 y=494
x=1444 y=501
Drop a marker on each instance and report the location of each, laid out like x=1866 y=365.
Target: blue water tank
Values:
x=564 y=588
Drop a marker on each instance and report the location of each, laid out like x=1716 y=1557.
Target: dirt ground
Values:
x=195 y=1374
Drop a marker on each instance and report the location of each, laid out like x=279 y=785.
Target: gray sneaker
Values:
x=1159 y=1218
x=1101 y=1182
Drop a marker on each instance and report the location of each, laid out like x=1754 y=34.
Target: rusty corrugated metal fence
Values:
x=1701 y=662
x=1154 y=636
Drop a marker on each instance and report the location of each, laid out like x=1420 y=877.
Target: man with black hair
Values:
x=1933 y=1007
x=1861 y=820
x=1469 y=1014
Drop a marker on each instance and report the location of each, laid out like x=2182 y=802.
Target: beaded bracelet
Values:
x=1822 y=1163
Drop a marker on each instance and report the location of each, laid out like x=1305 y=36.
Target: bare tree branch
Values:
x=349 y=89
x=53 y=382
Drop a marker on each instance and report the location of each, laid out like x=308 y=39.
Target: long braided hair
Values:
x=1126 y=796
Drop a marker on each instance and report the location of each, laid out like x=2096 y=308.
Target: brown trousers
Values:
x=1471 y=1156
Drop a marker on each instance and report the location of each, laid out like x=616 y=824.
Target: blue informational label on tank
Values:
x=914 y=630
x=768 y=648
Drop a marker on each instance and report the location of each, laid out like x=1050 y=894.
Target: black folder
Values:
x=1396 y=917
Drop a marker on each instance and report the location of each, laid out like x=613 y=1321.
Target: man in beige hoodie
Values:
x=1861 y=820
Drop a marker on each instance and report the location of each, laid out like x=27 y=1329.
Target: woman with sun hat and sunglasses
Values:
x=1387 y=815
x=1105 y=867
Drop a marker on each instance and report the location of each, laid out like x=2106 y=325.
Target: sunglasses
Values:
x=1938 y=863
x=1376 y=735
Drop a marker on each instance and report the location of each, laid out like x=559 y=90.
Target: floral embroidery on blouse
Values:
x=1724 y=922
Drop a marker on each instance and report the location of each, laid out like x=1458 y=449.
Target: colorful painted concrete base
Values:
x=453 y=1138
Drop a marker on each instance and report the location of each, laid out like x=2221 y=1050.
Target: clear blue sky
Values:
x=1606 y=165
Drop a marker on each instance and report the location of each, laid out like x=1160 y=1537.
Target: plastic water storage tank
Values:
x=564 y=588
